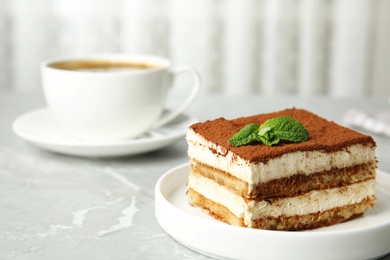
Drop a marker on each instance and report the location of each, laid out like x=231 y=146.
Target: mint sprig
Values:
x=271 y=132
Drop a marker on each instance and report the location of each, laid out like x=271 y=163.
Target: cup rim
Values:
x=108 y=56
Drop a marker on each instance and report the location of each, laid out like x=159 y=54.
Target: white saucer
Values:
x=40 y=128
x=366 y=237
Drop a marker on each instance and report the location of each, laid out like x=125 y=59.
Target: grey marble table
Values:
x=54 y=206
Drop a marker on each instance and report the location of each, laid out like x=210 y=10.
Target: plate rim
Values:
x=318 y=234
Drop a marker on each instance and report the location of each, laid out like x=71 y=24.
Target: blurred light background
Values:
x=339 y=48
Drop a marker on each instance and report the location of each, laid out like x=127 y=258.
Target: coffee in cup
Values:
x=102 y=65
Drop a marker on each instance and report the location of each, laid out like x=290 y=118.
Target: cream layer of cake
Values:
x=315 y=201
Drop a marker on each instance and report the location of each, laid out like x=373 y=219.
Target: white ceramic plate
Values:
x=39 y=128
x=366 y=237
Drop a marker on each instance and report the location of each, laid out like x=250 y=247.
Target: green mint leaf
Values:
x=269 y=141
x=264 y=131
x=267 y=136
x=271 y=132
x=287 y=128
x=245 y=136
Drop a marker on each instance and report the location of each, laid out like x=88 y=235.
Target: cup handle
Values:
x=166 y=118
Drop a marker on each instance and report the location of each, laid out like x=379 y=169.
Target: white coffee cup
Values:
x=106 y=97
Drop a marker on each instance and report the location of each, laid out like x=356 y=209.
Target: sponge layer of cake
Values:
x=288 y=186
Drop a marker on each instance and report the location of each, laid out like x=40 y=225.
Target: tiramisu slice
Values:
x=327 y=179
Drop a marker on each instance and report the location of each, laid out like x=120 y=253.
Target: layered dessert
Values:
x=323 y=180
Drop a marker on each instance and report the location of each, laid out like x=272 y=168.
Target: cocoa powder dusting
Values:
x=324 y=135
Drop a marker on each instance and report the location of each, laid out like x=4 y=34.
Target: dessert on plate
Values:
x=287 y=170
